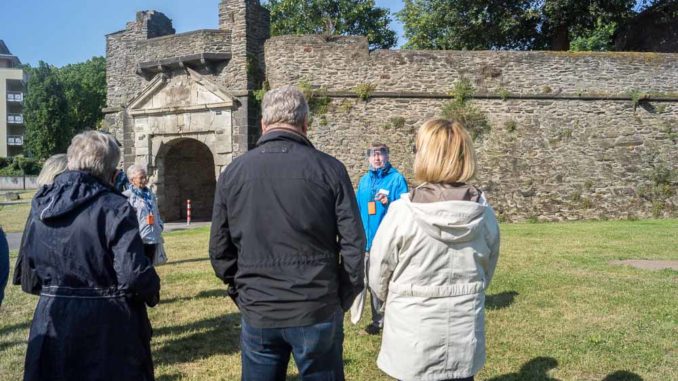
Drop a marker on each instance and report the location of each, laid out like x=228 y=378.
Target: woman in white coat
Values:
x=433 y=258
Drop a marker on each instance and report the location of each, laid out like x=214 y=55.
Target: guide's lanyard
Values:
x=371 y=204
x=146 y=197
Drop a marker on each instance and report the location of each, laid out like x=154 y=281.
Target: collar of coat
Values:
x=284 y=134
x=381 y=172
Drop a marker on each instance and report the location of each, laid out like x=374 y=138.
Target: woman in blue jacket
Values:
x=378 y=188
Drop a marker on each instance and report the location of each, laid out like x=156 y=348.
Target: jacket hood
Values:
x=70 y=190
x=448 y=221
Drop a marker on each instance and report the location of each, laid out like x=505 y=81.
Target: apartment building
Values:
x=12 y=92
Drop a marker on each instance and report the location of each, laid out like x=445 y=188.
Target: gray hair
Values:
x=53 y=167
x=94 y=152
x=284 y=105
x=134 y=169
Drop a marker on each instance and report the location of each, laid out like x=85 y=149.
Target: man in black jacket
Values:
x=288 y=241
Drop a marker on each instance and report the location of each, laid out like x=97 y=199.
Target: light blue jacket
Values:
x=387 y=178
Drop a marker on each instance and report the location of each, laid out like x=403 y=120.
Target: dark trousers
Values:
x=149 y=251
x=317 y=351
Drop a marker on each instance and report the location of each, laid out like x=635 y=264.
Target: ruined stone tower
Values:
x=180 y=104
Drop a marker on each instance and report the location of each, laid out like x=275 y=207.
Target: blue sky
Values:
x=60 y=32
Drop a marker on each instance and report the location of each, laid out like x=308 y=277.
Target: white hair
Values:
x=284 y=105
x=54 y=166
x=135 y=169
x=94 y=152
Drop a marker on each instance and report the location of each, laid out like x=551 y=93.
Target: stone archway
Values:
x=185 y=172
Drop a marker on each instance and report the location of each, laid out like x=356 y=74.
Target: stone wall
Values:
x=567 y=138
x=243 y=29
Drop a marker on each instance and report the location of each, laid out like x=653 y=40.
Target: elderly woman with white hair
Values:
x=145 y=204
x=82 y=253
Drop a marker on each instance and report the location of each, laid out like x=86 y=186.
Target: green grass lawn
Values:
x=13 y=217
x=556 y=310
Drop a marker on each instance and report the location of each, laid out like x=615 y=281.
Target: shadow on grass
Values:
x=500 y=300
x=190 y=260
x=4 y=346
x=622 y=375
x=198 y=340
x=217 y=292
x=169 y=377
x=14 y=327
x=534 y=370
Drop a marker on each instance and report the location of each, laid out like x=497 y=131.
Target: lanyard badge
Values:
x=371 y=208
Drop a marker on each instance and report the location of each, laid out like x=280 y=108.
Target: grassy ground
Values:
x=13 y=217
x=556 y=310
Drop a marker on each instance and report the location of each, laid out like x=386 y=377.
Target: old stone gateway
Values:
x=568 y=135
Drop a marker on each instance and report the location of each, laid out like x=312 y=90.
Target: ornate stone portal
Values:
x=179 y=102
x=182 y=125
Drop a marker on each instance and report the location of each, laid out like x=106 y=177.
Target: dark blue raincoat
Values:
x=81 y=251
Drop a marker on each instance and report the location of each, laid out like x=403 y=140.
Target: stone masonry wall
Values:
x=566 y=141
x=244 y=26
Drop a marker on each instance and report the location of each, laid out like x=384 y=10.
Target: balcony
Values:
x=15 y=97
x=15 y=140
x=15 y=119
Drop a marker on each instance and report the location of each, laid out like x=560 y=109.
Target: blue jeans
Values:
x=317 y=351
x=4 y=264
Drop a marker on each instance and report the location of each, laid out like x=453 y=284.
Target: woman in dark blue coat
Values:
x=81 y=251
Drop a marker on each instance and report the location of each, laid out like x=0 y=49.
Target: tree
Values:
x=468 y=24
x=501 y=24
x=46 y=116
x=85 y=89
x=334 y=17
x=599 y=39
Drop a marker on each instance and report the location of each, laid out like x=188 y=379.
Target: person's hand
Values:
x=382 y=198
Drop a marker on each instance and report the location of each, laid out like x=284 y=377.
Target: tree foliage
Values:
x=61 y=102
x=515 y=24
x=334 y=17
x=46 y=115
x=468 y=24
x=85 y=89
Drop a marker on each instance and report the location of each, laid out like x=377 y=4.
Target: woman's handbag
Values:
x=160 y=256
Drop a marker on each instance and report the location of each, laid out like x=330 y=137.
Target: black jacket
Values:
x=286 y=233
x=82 y=253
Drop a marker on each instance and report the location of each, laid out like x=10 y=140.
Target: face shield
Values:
x=377 y=157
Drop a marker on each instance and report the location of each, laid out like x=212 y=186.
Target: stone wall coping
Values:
x=583 y=97
x=326 y=41
x=187 y=34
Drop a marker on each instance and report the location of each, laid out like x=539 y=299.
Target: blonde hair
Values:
x=444 y=153
x=53 y=167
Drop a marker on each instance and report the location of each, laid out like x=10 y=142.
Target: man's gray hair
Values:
x=284 y=105
x=94 y=152
x=135 y=169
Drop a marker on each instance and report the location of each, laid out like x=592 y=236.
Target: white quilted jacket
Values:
x=432 y=262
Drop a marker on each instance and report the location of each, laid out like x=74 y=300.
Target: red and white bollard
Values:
x=188 y=212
